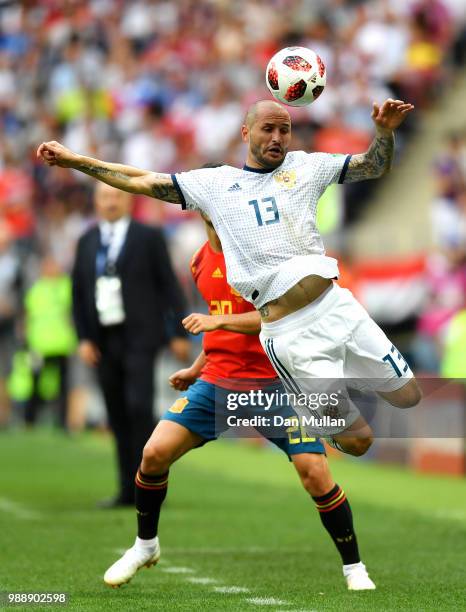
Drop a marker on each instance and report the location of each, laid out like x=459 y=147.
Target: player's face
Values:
x=111 y=204
x=269 y=137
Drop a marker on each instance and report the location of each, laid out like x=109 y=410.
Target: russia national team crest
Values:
x=286 y=178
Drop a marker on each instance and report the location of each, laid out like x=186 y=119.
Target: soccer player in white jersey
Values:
x=265 y=216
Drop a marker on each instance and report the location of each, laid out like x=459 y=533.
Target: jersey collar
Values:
x=258 y=170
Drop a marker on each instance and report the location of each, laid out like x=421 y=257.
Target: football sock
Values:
x=347 y=569
x=150 y=492
x=335 y=514
x=145 y=544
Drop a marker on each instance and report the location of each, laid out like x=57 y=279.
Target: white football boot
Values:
x=357 y=577
x=134 y=558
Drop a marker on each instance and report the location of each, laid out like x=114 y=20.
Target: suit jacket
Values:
x=153 y=300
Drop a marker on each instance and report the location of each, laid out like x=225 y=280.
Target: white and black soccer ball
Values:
x=296 y=76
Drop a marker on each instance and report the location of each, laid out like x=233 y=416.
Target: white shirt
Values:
x=114 y=235
x=266 y=220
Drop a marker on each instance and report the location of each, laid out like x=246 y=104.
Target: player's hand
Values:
x=181 y=348
x=55 y=154
x=182 y=379
x=390 y=115
x=89 y=353
x=196 y=323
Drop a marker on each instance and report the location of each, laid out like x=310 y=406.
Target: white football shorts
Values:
x=333 y=338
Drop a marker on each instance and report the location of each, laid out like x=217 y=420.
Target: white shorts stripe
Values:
x=289 y=384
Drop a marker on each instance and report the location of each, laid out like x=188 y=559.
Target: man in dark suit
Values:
x=127 y=304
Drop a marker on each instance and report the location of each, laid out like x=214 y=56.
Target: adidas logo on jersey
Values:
x=235 y=187
x=217 y=273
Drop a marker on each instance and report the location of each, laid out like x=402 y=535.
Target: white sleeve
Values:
x=195 y=188
x=330 y=168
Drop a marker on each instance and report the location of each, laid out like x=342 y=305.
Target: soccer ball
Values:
x=296 y=76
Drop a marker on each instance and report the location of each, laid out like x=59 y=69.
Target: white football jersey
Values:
x=266 y=219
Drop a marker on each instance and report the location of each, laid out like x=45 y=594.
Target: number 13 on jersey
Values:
x=266 y=211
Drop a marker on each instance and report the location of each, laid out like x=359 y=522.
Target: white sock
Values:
x=347 y=569
x=145 y=544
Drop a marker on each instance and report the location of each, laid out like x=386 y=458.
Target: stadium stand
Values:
x=143 y=82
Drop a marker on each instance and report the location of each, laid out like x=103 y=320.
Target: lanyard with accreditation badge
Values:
x=108 y=294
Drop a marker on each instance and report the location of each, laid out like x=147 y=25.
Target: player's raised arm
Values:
x=127 y=178
x=377 y=160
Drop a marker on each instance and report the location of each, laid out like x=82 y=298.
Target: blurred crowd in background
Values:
x=164 y=85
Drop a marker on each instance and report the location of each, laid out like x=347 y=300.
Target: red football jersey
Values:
x=229 y=355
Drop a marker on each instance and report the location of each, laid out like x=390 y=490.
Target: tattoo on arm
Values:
x=102 y=172
x=163 y=188
x=374 y=163
x=264 y=310
x=133 y=180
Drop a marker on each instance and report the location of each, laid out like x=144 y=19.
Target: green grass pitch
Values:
x=236 y=517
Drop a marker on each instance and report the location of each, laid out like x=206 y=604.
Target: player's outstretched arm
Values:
x=123 y=177
x=377 y=160
x=244 y=323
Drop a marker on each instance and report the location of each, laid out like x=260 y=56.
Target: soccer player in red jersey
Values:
x=231 y=351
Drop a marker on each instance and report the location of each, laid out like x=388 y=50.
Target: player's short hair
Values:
x=251 y=113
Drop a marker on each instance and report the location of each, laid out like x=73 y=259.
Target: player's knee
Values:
x=360 y=446
x=408 y=397
x=414 y=396
x=156 y=458
x=315 y=480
